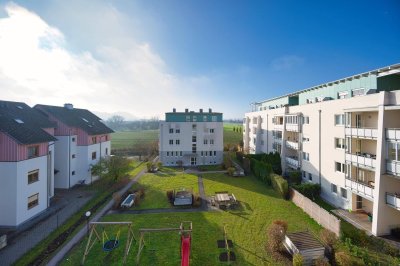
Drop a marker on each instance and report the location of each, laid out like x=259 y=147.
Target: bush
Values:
x=231 y=170
x=227 y=162
x=298 y=260
x=261 y=170
x=328 y=238
x=295 y=177
x=321 y=262
x=196 y=201
x=343 y=259
x=311 y=191
x=276 y=234
x=170 y=196
x=280 y=185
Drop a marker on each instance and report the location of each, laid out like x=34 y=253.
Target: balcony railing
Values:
x=360 y=188
x=393 y=200
x=293 y=127
x=393 y=133
x=293 y=162
x=367 y=133
x=292 y=145
x=278 y=127
x=393 y=167
x=362 y=159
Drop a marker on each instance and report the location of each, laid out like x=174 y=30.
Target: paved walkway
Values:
x=81 y=234
x=63 y=205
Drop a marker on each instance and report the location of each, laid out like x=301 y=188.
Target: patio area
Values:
x=357 y=218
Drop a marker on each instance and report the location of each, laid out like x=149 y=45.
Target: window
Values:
x=343 y=192
x=194 y=118
x=306 y=139
x=254 y=141
x=339 y=120
x=171 y=130
x=94 y=140
x=210 y=153
x=204 y=118
x=106 y=151
x=201 y=153
x=334 y=188
x=305 y=120
x=214 y=118
x=177 y=131
x=340 y=143
x=194 y=138
x=343 y=94
x=177 y=142
x=73 y=139
x=171 y=142
x=340 y=167
x=394 y=151
x=215 y=153
x=33 y=151
x=167 y=153
x=211 y=141
x=188 y=118
x=94 y=155
x=73 y=173
x=33 y=201
x=262 y=142
x=311 y=100
x=310 y=176
x=73 y=156
x=180 y=153
x=205 y=141
x=194 y=148
x=358 y=92
x=306 y=156
x=211 y=130
x=176 y=154
x=33 y=176
x=303 y=174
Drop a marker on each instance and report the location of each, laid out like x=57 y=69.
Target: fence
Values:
x=320 y=215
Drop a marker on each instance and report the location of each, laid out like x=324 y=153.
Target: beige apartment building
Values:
x=343 y=135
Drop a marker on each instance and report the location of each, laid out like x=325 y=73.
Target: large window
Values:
x=211 y=130
x=33 y=176
x=33 y=151
x=177 y=142
x=194 y=138
x=394 y=151
x=194 y=148
x=306 y=156
x=358 y=92
x=171 y=130
x=343 y=191
x=211 y=141
x=171 y=142
x=340 y=167
x=340 y=143
x=339 y=120
x=33 y=201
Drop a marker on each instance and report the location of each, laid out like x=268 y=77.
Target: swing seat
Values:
x=111 y=244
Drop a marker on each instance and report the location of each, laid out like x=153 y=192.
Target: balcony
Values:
x=278 y=127
x=393 y=200
x=360 y=188
x=292 y=145
x=365 y=133
x=293 y=127
x=393 y=168
x=362 y=159
x=293 y=162
x=393 y=133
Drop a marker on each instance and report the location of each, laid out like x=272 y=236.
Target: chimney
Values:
x=201 y=110
x=209 y=110
x=69 y=106
x=186 y=110
x=174 y=110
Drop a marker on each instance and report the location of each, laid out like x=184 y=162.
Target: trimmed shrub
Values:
x=280 y=185
x=311 y=191
x=295 y=177
x=230 y=171
x=298 y=260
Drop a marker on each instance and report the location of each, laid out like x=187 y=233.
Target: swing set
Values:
x=108 y=243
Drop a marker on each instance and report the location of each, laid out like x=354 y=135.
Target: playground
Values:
x=159 y=239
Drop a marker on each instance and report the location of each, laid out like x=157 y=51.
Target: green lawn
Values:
x=246 y=226
x=231 y=137
x=126 y=139
x=157 y=185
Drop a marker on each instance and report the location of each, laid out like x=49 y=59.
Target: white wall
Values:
x=64 y=148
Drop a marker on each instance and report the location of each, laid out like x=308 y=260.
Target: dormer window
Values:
x=19 y=121
x=94 y=140
x=20 y=107
x=33 y=151
x=84 y=119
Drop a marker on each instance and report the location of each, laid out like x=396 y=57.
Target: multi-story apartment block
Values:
x=26 y=163
x=82 y=139
x=343 y=135
x=191 y=138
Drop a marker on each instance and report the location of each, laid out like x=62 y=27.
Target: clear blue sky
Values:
x=221 y=54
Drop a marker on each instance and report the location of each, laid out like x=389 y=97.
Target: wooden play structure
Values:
x=186 y=239
x=227 y=244
x=109 y=242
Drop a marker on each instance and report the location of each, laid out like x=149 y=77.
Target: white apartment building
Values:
x=343 y=135
x=191 y=138
x=82 y=139
x=26 y=163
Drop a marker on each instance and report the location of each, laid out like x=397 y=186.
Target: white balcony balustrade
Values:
x=293 y=127
x=360 y=188
x=393 y=133
x=278 y=127
x=293 y=162
x=366 y=133
x=362 y=159
x=393 y=167
x=393 y=200
x=292 y=145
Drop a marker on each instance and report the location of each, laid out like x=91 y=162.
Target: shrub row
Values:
x=261 y=170
x=274 y=159
x=310 y=190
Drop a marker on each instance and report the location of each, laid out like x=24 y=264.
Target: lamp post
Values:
x=87 y=214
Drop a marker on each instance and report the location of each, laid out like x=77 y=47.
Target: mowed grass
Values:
x=127 y=139
x=156 y=187
x=246 y=226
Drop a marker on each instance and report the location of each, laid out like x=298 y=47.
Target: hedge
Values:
x=261 y=170
x=274 y=159
x=311 y=191
x=280 y=185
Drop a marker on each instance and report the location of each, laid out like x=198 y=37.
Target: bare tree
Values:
x=115 y=122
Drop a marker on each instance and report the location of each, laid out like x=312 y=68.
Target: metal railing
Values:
x=393 y=167
x=393 y=133
x=363 y=132
x=363 y=159
x=393 y=199
x=359 y=187
x=292 y=145
x=294 y=162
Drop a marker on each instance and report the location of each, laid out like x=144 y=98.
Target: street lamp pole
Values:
x=87 y=214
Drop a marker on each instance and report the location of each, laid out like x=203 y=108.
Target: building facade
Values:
x=343 y=135
x=82 y=139
x=191 y=138
x=26 y=163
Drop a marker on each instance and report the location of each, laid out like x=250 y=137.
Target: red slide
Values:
x=185 y=250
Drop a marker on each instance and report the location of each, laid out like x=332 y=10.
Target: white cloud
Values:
x=36 y=67
x=287 y=62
